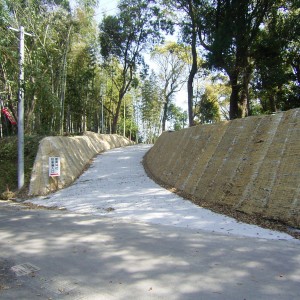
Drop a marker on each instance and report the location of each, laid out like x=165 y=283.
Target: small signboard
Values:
x=54 y=166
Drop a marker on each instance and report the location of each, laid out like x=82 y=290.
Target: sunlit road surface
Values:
x=117 y=186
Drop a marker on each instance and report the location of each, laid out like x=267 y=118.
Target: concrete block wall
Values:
x=251 y=164
x=75 y=153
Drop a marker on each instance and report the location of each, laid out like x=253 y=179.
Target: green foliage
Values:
x=9 y=157
x=231 y=28
x=255 y=42
x=207 y=110
x=129 y=33
x=128 y=117
x=151 y=107
x=125 y=37
x=177 y=117
x=171 y=59
x=68 y=83
x=61 y=88
x=277 y=60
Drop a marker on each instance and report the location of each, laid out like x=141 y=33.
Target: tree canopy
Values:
x=80 y=75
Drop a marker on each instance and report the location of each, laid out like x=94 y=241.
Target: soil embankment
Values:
x=74 y=152
x=250 y=165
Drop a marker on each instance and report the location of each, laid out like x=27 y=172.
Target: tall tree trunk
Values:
x=117 y=113
x=272 y=102
x=68 y=129
x=239 y=98
x=165 y=114
x=122 y=92
x=29 y=112
x=244 y=99
x=83 y=126
x=194 y=67
x=234 y=97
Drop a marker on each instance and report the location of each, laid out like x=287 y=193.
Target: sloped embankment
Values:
x=75 y=153
x=251 y=164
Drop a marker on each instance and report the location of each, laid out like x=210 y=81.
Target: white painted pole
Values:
x=102 y=116
x=124 y=129
x=21 y=113
x=21 y=108
x=137 y=120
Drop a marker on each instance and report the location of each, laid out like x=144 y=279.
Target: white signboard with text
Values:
x=54 y=166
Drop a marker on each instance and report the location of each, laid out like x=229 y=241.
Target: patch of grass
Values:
x=9 y=161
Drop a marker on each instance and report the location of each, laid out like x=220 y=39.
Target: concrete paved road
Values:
x=87 y=257
x=114 y=256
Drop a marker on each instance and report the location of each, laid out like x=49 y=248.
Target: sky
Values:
x=108 y=7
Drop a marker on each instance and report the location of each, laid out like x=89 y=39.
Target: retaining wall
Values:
x=251 y=164
x=75 y=153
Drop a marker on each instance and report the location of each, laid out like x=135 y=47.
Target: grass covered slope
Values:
x=9 y=161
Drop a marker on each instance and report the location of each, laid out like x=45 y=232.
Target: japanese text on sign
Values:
x=54 y=166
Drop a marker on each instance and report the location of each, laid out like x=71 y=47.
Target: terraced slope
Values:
x=251 y=164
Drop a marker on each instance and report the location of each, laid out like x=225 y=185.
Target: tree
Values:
x=190 y=33
x=177 y=117
x=227 y=31
x=171 y=61
x=277 y=59
x=151 y=107
x=9 y=59
x=62 y=76
x=207 y=109
x=47 y=69
x=82 y=109
x=42 y=58
x=128 y=125
x=125 y=36
x=187 y=20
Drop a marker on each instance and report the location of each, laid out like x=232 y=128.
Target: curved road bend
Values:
x=124 y=237
x=117 y=186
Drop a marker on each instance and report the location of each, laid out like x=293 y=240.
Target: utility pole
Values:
x=102 y=92
x=21 y=108
x=102 y=117
x=136 y=113
x=124 y=129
